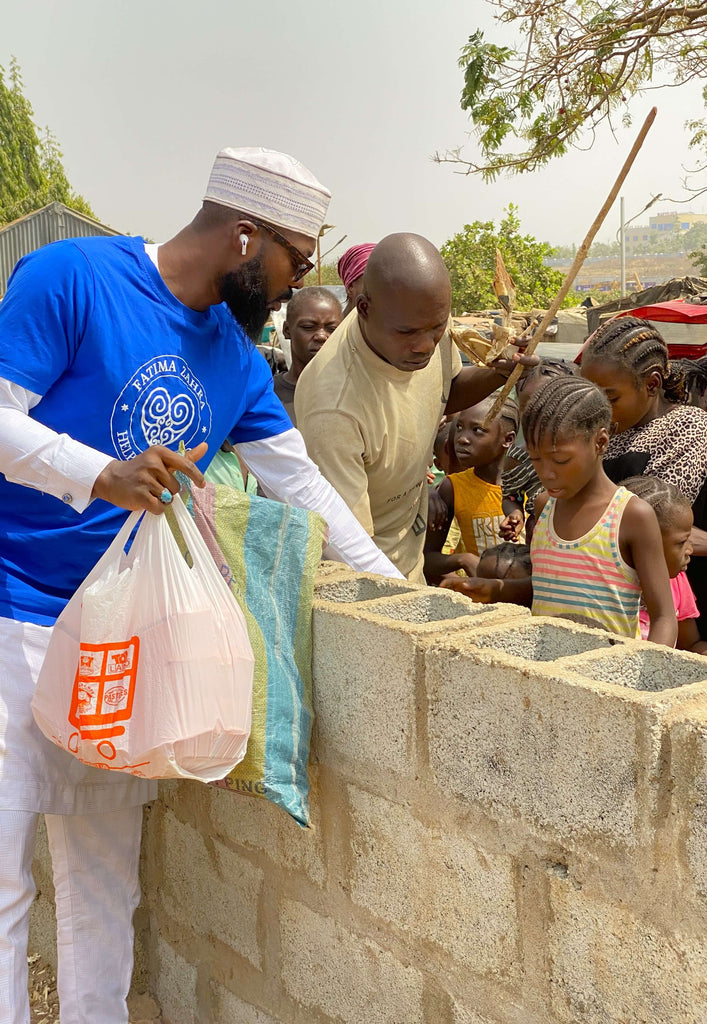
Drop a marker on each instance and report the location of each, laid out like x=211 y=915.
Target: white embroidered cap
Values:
x=271 y=186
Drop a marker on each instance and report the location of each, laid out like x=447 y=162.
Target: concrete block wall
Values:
x=510 y=827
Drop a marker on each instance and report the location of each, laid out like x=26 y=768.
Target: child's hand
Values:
x=512 y=526
x=437 y=511
x=480 y=590
x=467 y=562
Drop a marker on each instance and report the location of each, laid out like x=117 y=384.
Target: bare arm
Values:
x=474 y=383
x=436 y=563
x=486 y=591
x=689 y=638
x=471 y=385
x=641 y=535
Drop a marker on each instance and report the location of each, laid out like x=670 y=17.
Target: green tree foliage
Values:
x=575 y=65
x=470 y=257
x=31 y=171
x=699 y=255
x=329 y=275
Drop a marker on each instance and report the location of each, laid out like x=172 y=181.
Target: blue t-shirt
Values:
x=120 y=364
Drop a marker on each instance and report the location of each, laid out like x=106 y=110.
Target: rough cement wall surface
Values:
x=510 y=827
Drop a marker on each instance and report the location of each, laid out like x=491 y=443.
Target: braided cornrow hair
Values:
x=695 y=371
x=664 y=498
x=567 y=406
x=505 y=556
x=636 y=345
x=510 y=412
x=546 y=368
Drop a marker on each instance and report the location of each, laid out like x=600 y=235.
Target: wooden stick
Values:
x=574 y=269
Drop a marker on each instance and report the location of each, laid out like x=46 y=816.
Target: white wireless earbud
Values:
x=243 y=239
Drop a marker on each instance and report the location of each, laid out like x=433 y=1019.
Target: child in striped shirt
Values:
x=596 y=546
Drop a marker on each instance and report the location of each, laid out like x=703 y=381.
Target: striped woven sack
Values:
x=269 y=553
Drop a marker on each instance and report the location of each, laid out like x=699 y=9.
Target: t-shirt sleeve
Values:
x=264 y=414
x=684 y=598
x=44 y=315
x=456 y=358
x=335 y=443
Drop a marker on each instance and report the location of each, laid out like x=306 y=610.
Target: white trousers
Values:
x=95 y=860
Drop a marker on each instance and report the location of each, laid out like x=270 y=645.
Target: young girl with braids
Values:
x=655 y=433
x=520 y=482
x=674 y=515
x=596 y=547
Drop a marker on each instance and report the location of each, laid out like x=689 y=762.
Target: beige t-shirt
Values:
x=370 y=428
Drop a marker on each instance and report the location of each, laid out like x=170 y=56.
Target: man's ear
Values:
x=509 y=438
x=363 y=304
x=249 y=229
x=286 y=329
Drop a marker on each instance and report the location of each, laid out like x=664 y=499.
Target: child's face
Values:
x=476 y=445
x=677 y=546
x=630 y=402
x=567 y=466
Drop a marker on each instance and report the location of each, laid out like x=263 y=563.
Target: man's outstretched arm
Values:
x=285 y=471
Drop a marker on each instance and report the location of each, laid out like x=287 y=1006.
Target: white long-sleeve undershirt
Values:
x=285 y=471
x=35 y=456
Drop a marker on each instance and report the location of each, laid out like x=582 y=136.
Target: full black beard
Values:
x=245 y=292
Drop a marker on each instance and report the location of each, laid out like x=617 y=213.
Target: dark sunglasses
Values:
x=300 y=262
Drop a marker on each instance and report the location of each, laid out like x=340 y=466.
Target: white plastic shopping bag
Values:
x=149 y=669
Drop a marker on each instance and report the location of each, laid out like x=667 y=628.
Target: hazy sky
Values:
x=142 y=93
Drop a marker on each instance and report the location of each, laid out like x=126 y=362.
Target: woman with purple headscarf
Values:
x=350 y=269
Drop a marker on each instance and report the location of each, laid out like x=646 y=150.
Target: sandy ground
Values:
x=44 y=1002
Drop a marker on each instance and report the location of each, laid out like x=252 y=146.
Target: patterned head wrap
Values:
x=353 y=263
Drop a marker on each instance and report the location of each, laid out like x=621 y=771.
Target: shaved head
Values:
x=405 y=261
x=404 y=308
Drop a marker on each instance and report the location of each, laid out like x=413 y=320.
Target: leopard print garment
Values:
x=672 y=447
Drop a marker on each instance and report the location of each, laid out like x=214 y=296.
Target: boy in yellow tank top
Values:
x=473 y=496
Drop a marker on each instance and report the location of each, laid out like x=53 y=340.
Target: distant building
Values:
x=40 y=227
x=681 y=222
x=638 y=235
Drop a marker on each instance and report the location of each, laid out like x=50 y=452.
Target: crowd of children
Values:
x=591 y=510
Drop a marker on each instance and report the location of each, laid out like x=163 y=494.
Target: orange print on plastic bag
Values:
x=104 y=688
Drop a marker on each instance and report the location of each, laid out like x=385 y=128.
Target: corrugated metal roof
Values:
x=40 y=227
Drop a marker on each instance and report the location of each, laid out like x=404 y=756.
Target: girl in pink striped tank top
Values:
x=596 y=546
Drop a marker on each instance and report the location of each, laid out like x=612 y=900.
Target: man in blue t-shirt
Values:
x=112 y=352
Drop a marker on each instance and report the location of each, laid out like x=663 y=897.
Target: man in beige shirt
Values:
x=369 y=404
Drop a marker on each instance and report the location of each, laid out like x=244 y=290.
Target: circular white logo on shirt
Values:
x=162 y=403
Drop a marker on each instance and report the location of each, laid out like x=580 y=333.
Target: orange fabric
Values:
x=478 y=510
